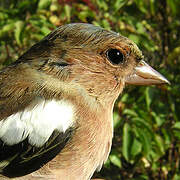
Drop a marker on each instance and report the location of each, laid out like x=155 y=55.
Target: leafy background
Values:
x=146 y=119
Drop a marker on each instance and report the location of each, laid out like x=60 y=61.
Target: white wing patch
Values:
x=37 y=122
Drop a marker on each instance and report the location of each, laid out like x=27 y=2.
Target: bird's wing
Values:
x=33 y=130
x=23 y=158
x=34 y=127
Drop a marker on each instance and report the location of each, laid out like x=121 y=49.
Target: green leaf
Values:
x=172 y=107
x=160 y=143
x=127 y=140
x=154 y=156
x=166 y=136
x=83 y=15
x=176 y=177
x=177 y=133
x=45 y=30
x=159 y=120
x=176 y=125
x=106 y=24
x=142 y=124
x=67 y=10
x=6 y=29
x=152 y=6
x=148 y=96
x=108 y=164
x=145 y=140
x=140 y=28
x=173 y=6
x=124 y=97
x=134 y=38
x=102 y=4
x=96 y=23
x=119 y=4
x=148 y=43
x=116 y=120
x=115 y=160
x=136 y=147
x=43 y=4
x=141 y=6
x=19 y=25
x=130 y=112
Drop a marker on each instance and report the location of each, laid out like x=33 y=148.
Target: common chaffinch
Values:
x=56 y=102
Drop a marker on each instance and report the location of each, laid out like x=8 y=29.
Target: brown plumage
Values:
x=85 y=66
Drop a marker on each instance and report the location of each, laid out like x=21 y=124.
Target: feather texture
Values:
x=56 y=103
x=37 y=122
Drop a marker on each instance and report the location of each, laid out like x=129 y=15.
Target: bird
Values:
x=56 y=102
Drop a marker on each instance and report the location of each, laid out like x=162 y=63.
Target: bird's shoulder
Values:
x=33 y=134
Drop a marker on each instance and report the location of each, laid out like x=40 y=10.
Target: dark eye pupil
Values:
x=115 y=56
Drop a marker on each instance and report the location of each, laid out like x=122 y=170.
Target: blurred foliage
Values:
x=146 y=119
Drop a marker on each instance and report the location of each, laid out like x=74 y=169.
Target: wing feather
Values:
x=23 y=158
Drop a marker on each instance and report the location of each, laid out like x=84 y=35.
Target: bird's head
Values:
x=91 y=60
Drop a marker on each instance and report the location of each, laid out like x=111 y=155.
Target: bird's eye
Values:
x=115 y=56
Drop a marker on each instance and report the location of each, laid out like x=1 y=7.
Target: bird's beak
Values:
x=145 y=75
